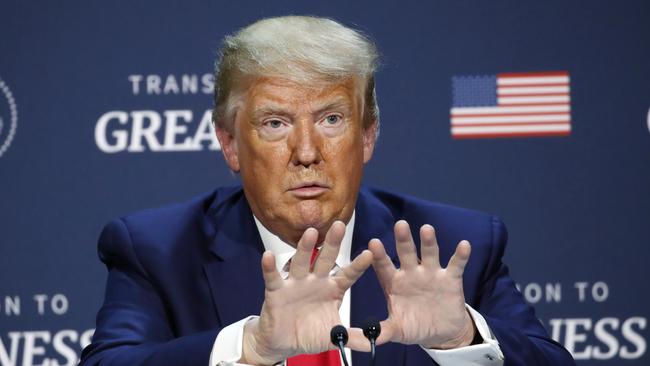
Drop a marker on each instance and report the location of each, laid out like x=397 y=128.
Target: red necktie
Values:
x=327 y=358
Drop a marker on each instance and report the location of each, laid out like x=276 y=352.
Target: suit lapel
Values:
x=373 y=220
x=234 y=274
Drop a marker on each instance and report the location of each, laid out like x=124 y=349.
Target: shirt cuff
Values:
x=227 y=348
x=487 y=353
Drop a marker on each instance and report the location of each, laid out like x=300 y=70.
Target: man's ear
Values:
x=229 y=148
x=369 y=139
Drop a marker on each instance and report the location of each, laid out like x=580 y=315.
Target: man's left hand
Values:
x=426 y=305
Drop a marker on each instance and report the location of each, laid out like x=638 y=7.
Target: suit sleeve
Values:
x=132 y=325
x=522 y=338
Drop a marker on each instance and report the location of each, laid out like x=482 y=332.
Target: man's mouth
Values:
x=309 y=189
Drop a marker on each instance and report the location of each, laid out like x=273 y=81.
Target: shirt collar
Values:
x=284 y=252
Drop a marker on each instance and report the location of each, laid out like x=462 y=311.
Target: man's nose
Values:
x=305 y=143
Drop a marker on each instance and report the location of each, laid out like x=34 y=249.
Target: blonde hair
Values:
x=304 y=49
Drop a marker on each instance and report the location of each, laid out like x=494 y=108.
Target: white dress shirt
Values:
x=227 y=348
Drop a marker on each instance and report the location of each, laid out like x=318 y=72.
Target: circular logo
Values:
x=8 y=117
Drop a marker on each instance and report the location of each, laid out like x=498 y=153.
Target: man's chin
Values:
x=318 y=223
x=316 y=219
x=314 y=214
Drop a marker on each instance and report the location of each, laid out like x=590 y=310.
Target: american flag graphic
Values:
x=511 y=105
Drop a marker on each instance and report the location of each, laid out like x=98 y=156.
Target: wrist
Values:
x=252 y=348
x=469 y=335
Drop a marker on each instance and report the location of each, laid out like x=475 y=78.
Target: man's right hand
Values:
x=299 y=312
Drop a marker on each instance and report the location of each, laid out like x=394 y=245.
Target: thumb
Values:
x=357 y=341
x=387 y=331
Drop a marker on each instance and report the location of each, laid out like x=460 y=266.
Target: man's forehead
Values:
x=268 y=92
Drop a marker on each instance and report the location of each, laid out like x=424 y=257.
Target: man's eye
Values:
x=274 y=123
x=332 y=119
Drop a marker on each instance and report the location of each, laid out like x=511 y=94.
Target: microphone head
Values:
x=371 y=328
x=339 y=334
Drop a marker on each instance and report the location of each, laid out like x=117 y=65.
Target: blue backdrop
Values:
x=103 y=112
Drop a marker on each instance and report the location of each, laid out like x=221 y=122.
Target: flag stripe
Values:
x=510 y=119
x=532 y=80
x=536 y=99
x=533 y=90
x=507 y=110
x=504 y=124
x=532 y=85
x=534 y=73
x=510 y=128
x=510 y=134
x=548 y=104
x=500 y=95
x=457 y=116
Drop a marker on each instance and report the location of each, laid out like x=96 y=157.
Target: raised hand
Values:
x=426 y=305
x=299 y=312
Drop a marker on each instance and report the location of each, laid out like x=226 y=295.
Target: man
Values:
x=297 y=118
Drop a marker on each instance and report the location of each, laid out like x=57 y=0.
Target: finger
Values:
x=458 y=261
x=272 y=278
x=349 y=274
x=384 y=267
x=388 y=330
x=300 y=263
x=330 y=249
x=429 y=247
x=357 y=341
x=408 y=257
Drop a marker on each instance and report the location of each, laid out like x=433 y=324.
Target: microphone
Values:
x=371 y=330
x=339 y=336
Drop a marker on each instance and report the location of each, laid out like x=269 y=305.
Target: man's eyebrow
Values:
x=339 y=103
x=270 y=110
x=278 y=109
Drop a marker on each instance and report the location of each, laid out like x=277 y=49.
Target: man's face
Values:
x=300 y=151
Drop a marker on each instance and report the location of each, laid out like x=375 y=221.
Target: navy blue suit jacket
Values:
x=178 y=274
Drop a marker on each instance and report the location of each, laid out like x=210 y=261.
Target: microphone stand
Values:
x=339 y=337
x=371 y=330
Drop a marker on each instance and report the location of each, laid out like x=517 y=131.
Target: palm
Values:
x=309 y=307
x=425 y=301
x=299 y=312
